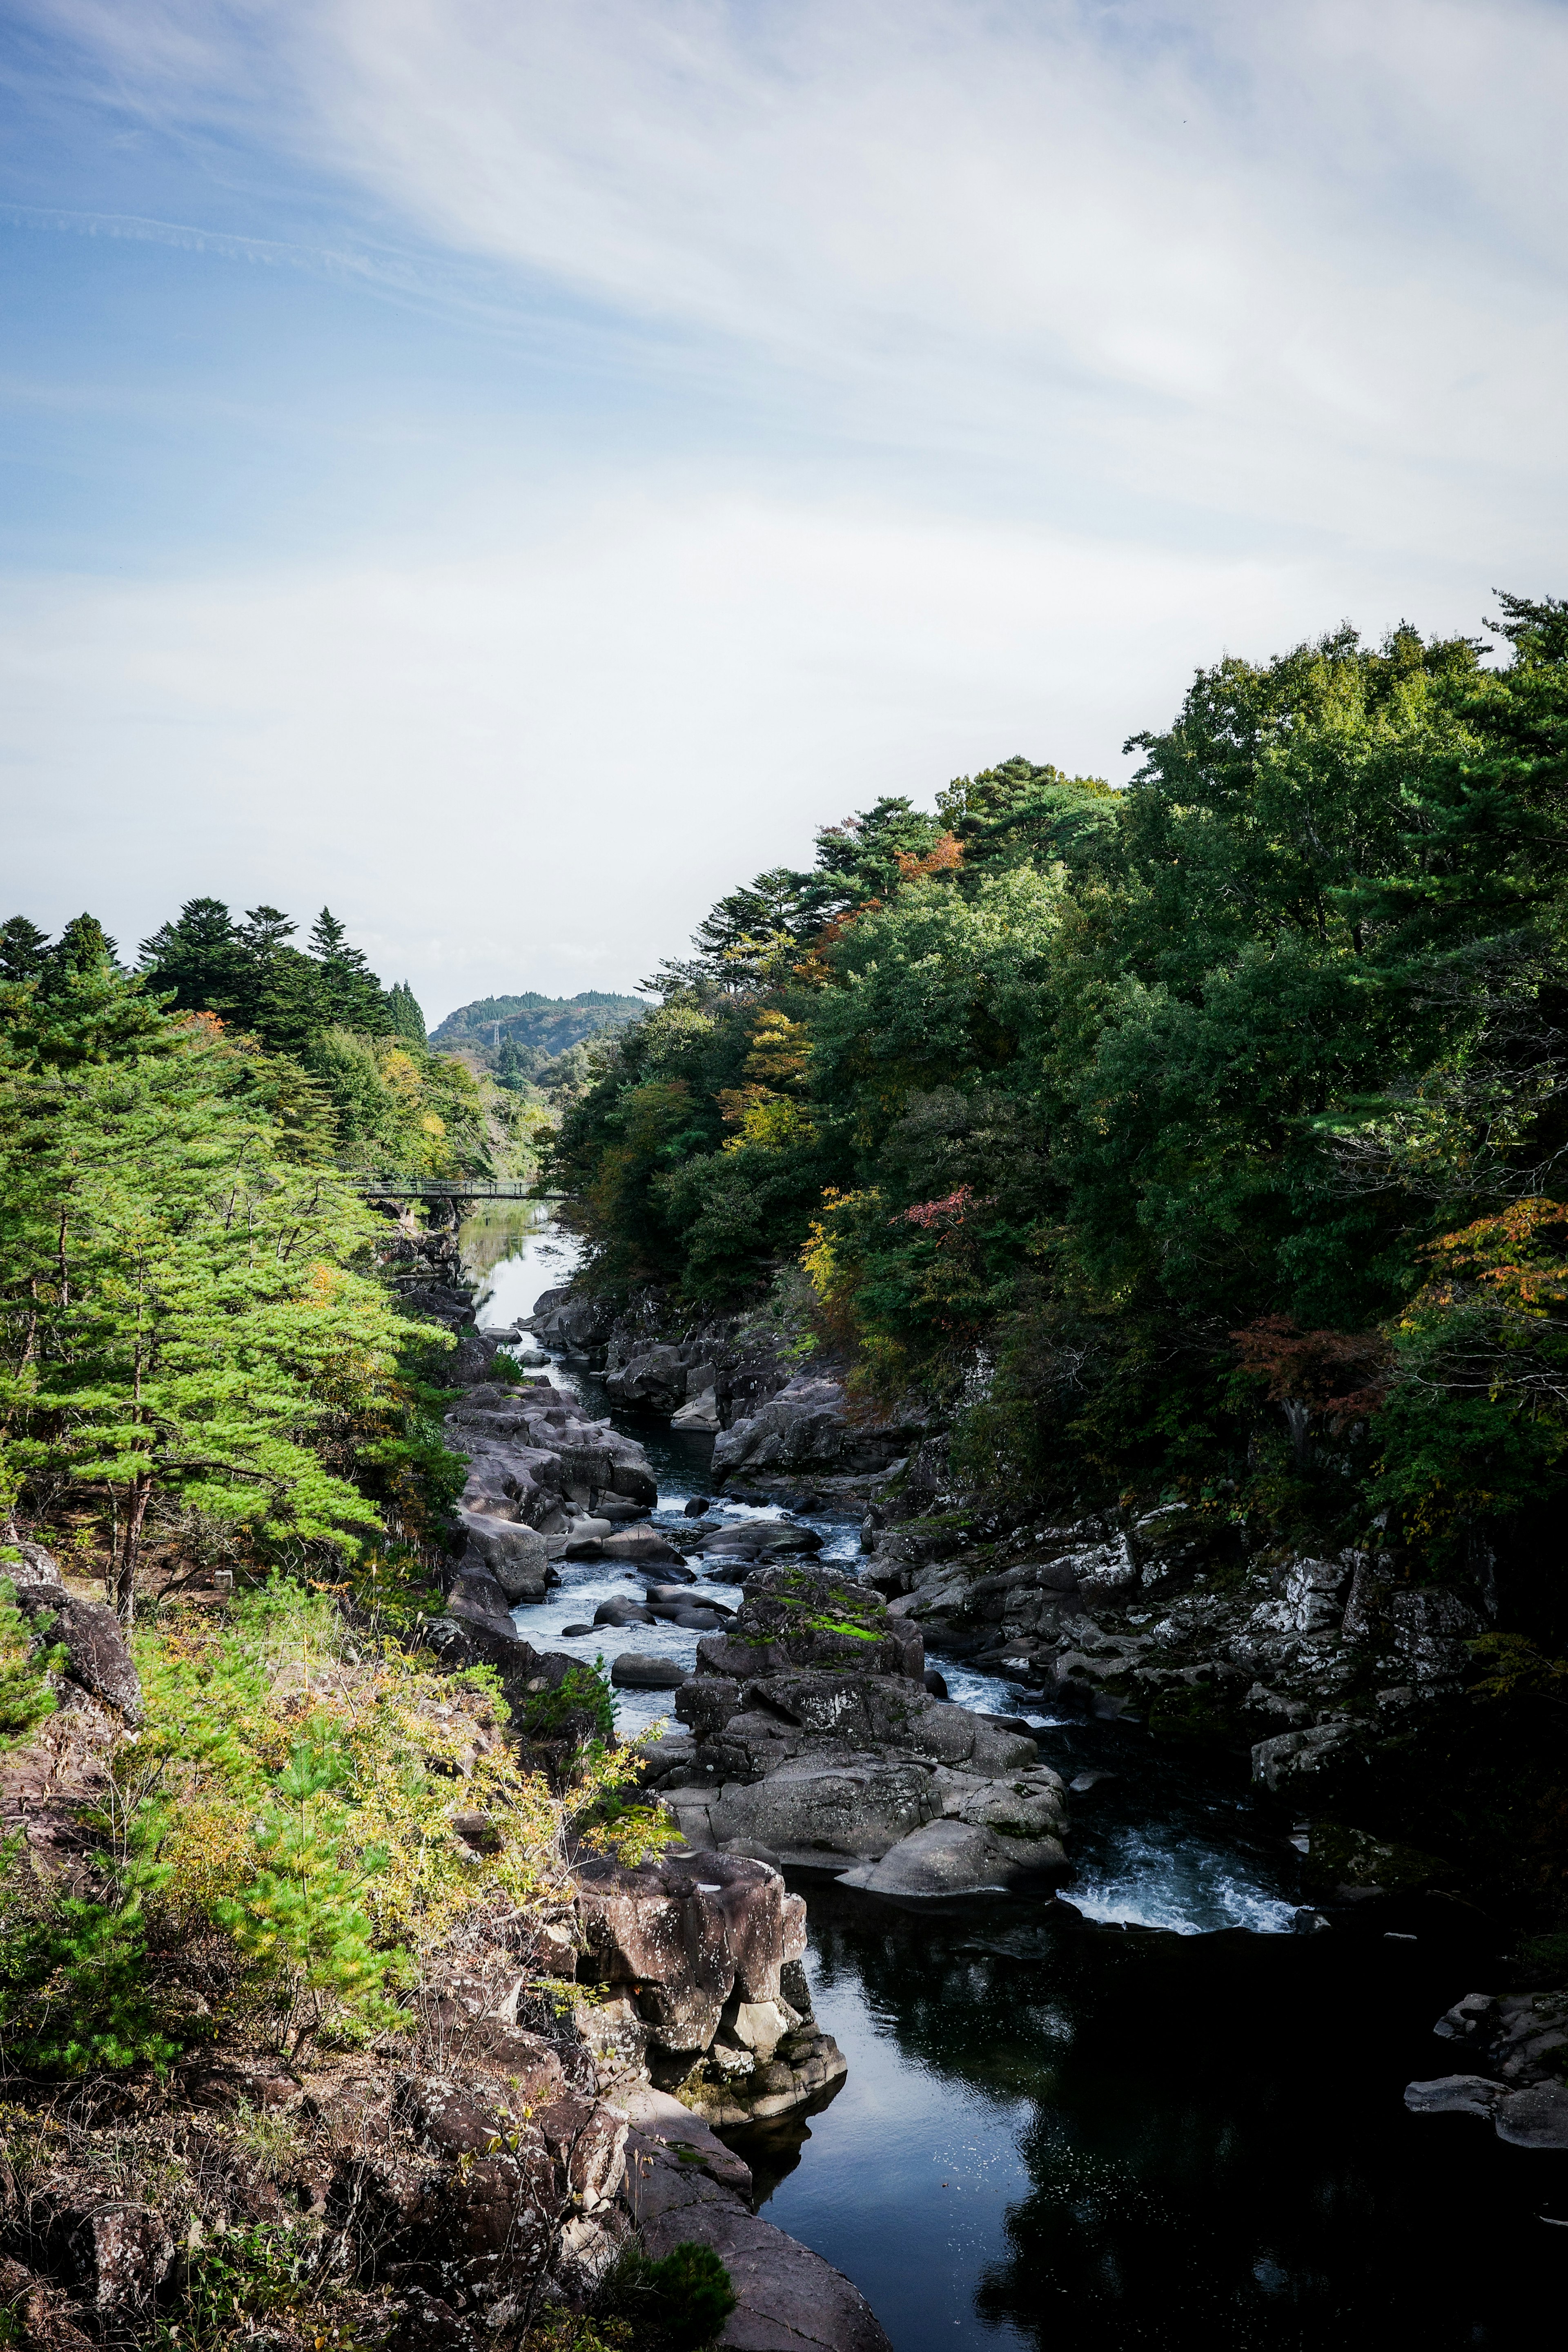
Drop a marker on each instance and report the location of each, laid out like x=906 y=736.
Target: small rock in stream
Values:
x=633 y=1671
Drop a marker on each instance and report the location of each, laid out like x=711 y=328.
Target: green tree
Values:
x=301 y=1916
x=352 y=994
x=23 y=950
x=186 y=1309
x=407 y=1021
x=200 y=957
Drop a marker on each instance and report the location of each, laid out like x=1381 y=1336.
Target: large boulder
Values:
x=655 y=1380
x=794 y=1617
x=957 y=1857
x=685 y=1935
x=644 y=1670
x=871 y=1711
x=96 y=1658
x=787 y=2298
x=536 y=1460
x=726 y=1544
x=806 y=1426
x=700 y=1412
x=828 y=1806
x=515 y=1555
x=565 y=1319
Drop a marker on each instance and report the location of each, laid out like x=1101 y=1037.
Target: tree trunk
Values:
x=125 y=1591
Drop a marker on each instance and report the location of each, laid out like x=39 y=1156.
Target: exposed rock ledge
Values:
x=690 y=2190
x=1523 y=2043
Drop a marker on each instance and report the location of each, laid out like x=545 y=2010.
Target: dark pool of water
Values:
x=1115 y=2139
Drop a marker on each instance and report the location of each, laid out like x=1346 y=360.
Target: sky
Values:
x=511 y=471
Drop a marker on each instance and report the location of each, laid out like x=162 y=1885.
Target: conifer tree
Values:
x=407 y=1020
x=180 y=1304
x=23 y=949
x=353 y=994
x=199 y=958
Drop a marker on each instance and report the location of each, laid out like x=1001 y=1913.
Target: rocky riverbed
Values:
x=786 y=1624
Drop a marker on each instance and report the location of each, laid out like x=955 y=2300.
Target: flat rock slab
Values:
x=1453 y=2095
x=787 y=2298
x=1536 y=2116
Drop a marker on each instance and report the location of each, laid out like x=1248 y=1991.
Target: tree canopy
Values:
x=1104 y=1117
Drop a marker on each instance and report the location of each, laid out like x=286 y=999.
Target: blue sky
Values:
x=511 y=471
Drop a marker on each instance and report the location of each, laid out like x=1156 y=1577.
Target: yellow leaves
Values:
x=823 y=1255
x=431 y=1125
x=781 y=1050
x=1512 y=1254
x=767 y=1122
x=400 y=1073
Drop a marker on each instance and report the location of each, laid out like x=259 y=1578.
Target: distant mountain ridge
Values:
x=535 y=1024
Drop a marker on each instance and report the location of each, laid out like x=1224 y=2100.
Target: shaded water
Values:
x=1071 y=2142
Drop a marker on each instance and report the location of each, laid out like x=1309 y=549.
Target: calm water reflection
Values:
x=1155 y=2140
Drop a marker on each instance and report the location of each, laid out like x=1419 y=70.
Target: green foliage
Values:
x=184 y=1308
x=400 y=1108
x=27 y=1694
x=301 y=1918
x=678 y=2303
x=226 y=2285
x=73 y=1991
x=1114 y=1122
x=403 y=1007
x=249 y=976
x=583 y=1695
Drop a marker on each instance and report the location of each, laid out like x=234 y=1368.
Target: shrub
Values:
x=678 y=2303
x=74 y=1995
x=301 y=1917
x=26 y=1696
x=584 y=1691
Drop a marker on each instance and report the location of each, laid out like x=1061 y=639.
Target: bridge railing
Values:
x=402 y=1187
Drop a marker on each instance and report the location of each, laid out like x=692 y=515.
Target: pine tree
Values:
x=407 y=1020
x=301 y=1916
x=199 y=956
x=178 y=1306
x=287 y=1005
x=23 y=950
x=353 y=994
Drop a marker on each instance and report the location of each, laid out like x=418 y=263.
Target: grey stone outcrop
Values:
x=814 y=1742
x=1520 y=2041
x=96 y=1658
x=806 y=1427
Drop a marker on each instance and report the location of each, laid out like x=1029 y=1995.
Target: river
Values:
x=1184 y=2130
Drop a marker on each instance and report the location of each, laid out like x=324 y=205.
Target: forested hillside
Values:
x=531 y=1041
x=1204 y=1137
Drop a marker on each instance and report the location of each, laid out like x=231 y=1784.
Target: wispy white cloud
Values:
x=1048 y=349
x=184 y=236
x=1274 y=261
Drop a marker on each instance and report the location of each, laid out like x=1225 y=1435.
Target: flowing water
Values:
x=1183 y=2129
